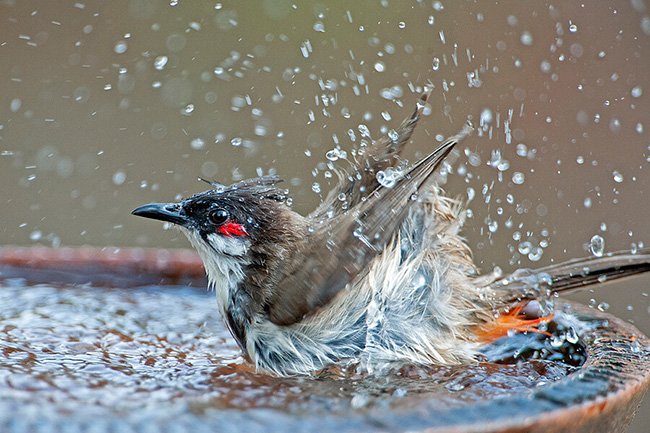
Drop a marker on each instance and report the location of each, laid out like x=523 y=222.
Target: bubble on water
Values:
x=597 y=245
x=319 y=26
x=236 y=142
x=572 y=27
x=120 y=47
x=526 y=38
x=636 y=92
x=315 y=187
x=518 y=178
x=119 y=177
x=160 y=62
x=197 y=143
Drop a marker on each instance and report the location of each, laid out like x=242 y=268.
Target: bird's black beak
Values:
x=168 y=212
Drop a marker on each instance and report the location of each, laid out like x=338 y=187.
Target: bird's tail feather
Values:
x=568 y=276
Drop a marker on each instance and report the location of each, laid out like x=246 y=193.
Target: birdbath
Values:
x=118 y=339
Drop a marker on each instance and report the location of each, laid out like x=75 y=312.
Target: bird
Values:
x=377 y=274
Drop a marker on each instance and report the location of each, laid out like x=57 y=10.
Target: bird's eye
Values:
x=219 y=216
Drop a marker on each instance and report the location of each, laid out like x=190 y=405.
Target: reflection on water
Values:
x=136 y=354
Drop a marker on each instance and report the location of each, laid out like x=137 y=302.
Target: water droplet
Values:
x=493 y=226
x=197 y=143
x=572 y=335
x=603 y=306
x=120 y=47
x=160 y=62
x=524 y=248
x=455 y=386
x=387 y=178
x=518 y=178
x=572 y=27
x=380 y=67
x=36 y=235
x=402 y=25
x=315 y=187
x=526 y=38
x=236 y=142
x=637 y=92
x=486 y=116
x=522 y=150
x=336 y=154
x=15 y=105
x=319 y=26
x=557 y=340
x=545 y=66
x=119 y=177
x=436 y=63
x=535 y=254
x=188 y=109
x=618 y=177
x=597 y=245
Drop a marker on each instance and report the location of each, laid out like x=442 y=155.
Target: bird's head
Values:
x=248 y=222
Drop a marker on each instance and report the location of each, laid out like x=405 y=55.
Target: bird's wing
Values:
x=360 y=179
x=341 y=248
x=565 y=277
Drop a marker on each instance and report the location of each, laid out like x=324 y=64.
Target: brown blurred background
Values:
x=109 y=105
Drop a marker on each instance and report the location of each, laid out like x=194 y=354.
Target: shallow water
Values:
x=89 y=356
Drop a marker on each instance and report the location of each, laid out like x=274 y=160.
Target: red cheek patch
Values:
x=231 y=229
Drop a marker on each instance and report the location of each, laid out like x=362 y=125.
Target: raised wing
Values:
x=360 y=179
x=341 y=248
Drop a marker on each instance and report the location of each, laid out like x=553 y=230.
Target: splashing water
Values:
x=597 y=245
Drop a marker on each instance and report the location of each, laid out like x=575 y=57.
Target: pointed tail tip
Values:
x=467 y=130
x=426 y=93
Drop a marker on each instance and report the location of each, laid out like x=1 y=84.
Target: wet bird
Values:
x=378 y=273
